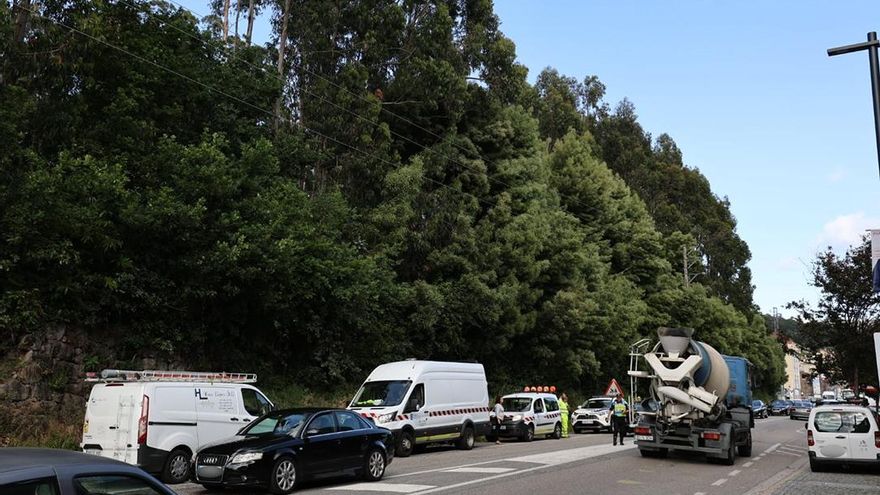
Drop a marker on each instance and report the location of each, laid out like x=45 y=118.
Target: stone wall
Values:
x=42 y=388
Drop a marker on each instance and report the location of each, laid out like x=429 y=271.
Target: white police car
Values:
x=594 y=414
x=528 y=414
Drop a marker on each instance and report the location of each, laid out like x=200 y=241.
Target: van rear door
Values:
x=861 y=441
x=110 y=421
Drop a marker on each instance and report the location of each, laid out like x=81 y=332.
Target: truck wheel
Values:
x=746 y=450
x=730 y=460
x=405 y=444
x=529 y=434
x=176 y=468
x=466 y=442
x=557 y=432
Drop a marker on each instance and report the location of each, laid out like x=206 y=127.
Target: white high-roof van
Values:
x=159 y=419
x=424 y=402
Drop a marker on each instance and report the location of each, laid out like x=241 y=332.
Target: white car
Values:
x=842 y=434
x=527 y=415
x=594 y=414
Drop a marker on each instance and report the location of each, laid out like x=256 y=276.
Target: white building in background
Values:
x=799 y=382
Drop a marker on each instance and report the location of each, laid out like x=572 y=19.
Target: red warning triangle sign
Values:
x=613 y=389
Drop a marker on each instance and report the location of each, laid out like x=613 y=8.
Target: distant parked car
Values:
x=842 y=434
x=780 y=407
x=278 y=450
x=759 y=409
x=800 y=409
x=64 y=472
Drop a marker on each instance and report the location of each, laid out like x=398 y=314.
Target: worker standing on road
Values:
x=497 y=417
x=563 y=410
x=618 y=410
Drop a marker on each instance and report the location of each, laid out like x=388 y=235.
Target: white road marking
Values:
x=734 y=472
x=482 y=480
x=720 y=482
x=771 y=448
x=546 y=460
x=756 y=458
x=700 y=493
x=484 y=470
x=785 y=450
x=427 y=471
x=748 y=464
x=571 y=455
x=383 y=487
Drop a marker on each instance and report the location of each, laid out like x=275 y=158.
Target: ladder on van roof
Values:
x=170 y=376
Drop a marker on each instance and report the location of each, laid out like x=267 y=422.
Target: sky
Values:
x=749 y=94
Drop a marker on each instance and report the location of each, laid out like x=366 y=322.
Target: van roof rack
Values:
x=170 y=376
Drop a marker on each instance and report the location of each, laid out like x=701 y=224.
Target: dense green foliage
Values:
x=837 y=334
x=400 y=190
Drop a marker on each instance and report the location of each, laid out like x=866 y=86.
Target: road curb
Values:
x=772 y=484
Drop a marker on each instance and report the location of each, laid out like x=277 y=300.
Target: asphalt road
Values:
x=588 y=463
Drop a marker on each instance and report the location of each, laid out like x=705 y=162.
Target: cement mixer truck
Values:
x=697 y=399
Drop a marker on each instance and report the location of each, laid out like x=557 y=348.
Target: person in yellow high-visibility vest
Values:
x=563 y=411
x=619 y=409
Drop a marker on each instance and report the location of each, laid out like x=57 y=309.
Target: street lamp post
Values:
x=871 y=46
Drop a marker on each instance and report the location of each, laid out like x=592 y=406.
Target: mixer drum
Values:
x=713 y=375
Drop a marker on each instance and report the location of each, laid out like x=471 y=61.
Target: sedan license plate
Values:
x=92 y=451
x=503 y=427
x=648 y=438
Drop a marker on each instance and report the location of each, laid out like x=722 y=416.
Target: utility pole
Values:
x=871 y=46
x=874 y=66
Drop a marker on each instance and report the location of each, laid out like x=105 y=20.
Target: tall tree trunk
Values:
x=237 y=15
x=282 y=48
x=250 y=26
x=225 y=20
x=22 y=18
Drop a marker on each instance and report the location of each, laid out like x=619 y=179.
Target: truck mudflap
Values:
x=714 y=442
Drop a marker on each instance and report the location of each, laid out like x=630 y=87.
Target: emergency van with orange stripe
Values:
x=425 y=402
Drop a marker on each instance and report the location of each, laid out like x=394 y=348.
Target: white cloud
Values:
x=846 y=230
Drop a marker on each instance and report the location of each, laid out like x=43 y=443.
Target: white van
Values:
x=425 y=402
x=840 y=434
x=528 y=414
x=159 y=419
